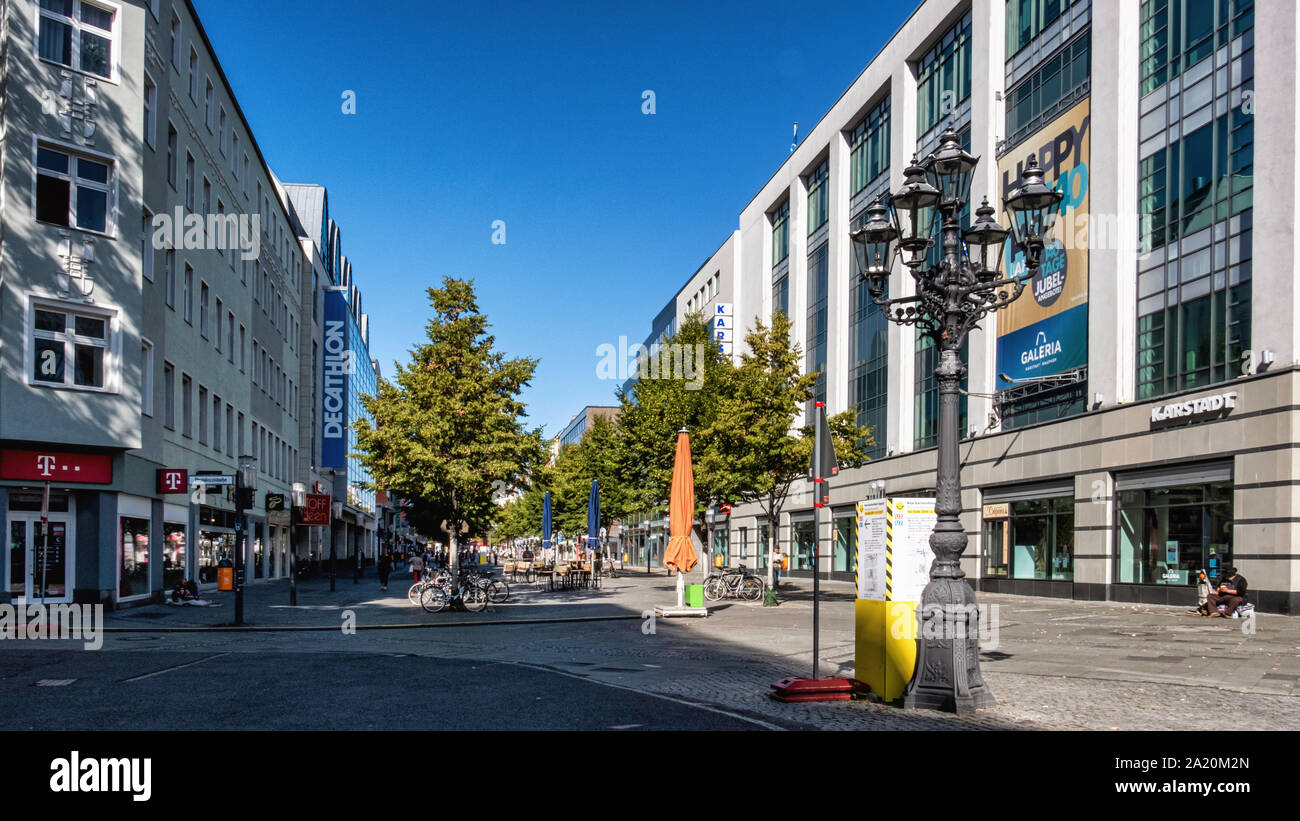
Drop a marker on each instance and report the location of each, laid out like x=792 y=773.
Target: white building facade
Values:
x=1147 y=430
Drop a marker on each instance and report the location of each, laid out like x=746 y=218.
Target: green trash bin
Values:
x=694 y=595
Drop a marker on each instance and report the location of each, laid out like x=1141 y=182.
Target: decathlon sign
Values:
x=334 y=381
x=1205 y=405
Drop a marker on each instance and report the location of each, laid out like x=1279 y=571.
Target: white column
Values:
x=1113 y=156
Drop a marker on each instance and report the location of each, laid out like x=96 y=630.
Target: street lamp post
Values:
x=245 y=491
x=298 y=499
x=336 y=508
x=951 y=297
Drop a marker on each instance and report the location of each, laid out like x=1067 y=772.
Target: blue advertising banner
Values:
x=334 y=381
x=1058 y=343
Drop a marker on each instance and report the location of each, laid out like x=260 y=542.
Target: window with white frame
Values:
x=150 y=111
x=220 y=306
x=169 y=395
x=176 y=42
x=171 y=155
x=208 y=119
x=194 y=74
x=77 y=34
x=203 y=310
x=189 y=182
x=72 y=190
x=146 y=244
x=189 y=293
x=71 y=346
x=146 y=377
x=169 y=278
x=221 y=131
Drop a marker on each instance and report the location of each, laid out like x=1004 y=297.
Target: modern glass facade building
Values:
x=1144 y=430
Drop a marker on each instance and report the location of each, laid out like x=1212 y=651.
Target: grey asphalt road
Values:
x=47 y=689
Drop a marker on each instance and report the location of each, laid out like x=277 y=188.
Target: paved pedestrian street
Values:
x=591 y=659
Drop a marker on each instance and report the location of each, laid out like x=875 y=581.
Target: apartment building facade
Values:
x=154 y=308
x=1145 y=427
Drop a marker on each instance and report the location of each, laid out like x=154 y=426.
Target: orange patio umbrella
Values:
x=680 y=554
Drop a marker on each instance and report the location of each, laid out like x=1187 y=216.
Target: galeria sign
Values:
x=1194 y=407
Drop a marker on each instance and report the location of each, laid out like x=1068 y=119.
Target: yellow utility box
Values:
x=884 y=655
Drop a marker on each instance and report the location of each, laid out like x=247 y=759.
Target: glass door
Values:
x=39 y=561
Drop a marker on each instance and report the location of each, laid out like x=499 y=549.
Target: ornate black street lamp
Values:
x=964 y=286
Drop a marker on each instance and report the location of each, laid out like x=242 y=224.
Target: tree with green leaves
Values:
x=663 y=402
x=449 y=426
x=754 y=452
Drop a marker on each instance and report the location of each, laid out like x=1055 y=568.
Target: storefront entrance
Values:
x=40 y=559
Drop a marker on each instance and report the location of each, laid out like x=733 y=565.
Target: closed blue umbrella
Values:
x=546 y=520
x=593 y=517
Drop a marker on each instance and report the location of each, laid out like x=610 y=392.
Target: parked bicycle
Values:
x=737 y=583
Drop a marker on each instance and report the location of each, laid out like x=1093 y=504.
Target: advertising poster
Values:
x=334 y=380
x=1045 y=331
x=911 y=522
x=871 y=549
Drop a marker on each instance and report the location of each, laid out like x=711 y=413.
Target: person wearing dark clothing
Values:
x=385 y=567
x=1231 y=594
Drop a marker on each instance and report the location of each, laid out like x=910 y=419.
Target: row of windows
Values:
x=1205 y=177
x=1057 y=84
x=223 y=432
x=869 y=146
x=707 y=291
x=1178 y=34
x=1026 y=19
x=944 y=76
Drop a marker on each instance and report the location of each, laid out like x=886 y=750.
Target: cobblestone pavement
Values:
x=1057 y=664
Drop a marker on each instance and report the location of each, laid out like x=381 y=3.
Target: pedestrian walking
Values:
x=417 y=565
x=385 y=567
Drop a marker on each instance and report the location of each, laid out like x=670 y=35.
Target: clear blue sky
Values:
x=530 y=113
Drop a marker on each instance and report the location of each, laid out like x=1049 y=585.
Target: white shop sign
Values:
x=1195 y=407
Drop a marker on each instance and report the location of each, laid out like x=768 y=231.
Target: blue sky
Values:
x=531 y=113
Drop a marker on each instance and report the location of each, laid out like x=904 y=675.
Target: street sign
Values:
x=213 y=479
x=317 y=510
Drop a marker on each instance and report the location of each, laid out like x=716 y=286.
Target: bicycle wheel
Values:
x=414 y=593
x=713 y=589
x=498 y=591
x=433 y=599
x=474 y=598
x=751 y=589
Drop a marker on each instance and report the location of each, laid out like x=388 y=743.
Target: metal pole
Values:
x=293 y=553
x=332 y=557
x=241 y=540
x=817 y=529
x=947 y=668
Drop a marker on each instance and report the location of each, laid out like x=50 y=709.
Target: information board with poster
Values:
x=909 y=523
x=1045 y=331
x=871 y=549
x=894 y=553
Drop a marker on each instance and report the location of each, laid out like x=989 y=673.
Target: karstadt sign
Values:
x=1202 y=406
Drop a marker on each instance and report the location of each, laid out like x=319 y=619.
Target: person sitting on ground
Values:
x=186 y=591
x=1230 y=594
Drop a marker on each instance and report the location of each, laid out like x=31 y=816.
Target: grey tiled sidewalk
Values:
x=1058 y=664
